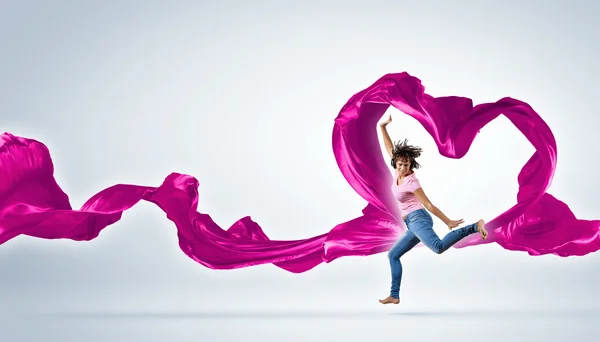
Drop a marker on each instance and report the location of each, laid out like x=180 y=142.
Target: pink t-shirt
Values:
x=404 y=193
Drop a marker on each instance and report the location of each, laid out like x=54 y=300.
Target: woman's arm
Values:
x=434 y=210
x=386 y=137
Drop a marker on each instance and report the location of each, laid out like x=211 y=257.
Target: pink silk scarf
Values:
x=33 y=204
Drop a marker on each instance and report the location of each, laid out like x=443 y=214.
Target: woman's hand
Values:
x=454 y=223
x=386 y=122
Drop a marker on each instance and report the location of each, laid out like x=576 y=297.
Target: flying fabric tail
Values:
x=33 y=204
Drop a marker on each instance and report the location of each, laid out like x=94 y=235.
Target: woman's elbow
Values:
x=429 y=206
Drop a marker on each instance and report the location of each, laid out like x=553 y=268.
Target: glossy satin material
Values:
x=31 y=202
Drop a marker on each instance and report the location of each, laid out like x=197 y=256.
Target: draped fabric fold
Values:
x=33 y=204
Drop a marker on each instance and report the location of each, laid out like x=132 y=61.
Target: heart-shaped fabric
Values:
x=32 y=203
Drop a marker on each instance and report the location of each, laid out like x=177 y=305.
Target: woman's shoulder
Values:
x=412 y=178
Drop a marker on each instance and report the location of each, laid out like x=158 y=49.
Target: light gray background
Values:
x=243 y=95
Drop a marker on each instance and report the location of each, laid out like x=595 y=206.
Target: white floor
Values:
x=389 y=324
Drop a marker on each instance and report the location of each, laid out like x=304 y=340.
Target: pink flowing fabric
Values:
x=33 y=204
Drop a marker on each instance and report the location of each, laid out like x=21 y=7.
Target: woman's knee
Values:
x=438 y=250
x=437 y=247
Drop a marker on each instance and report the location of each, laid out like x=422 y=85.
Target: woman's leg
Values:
x=422 y=227
x=405 y=244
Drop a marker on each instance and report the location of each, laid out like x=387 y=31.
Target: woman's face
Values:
x=403 y=166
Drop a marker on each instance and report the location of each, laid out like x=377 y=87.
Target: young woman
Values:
x=415 y=208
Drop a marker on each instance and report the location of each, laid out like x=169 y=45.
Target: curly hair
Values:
x=402 y=150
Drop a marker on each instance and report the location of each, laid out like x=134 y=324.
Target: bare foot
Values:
x=389 y=300
x=481 y=229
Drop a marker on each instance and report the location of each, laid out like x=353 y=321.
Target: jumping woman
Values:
x=415 y=208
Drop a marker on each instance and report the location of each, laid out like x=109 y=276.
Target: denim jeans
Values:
x=420 y=228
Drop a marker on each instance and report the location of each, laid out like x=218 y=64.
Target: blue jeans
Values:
x=420 y=228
